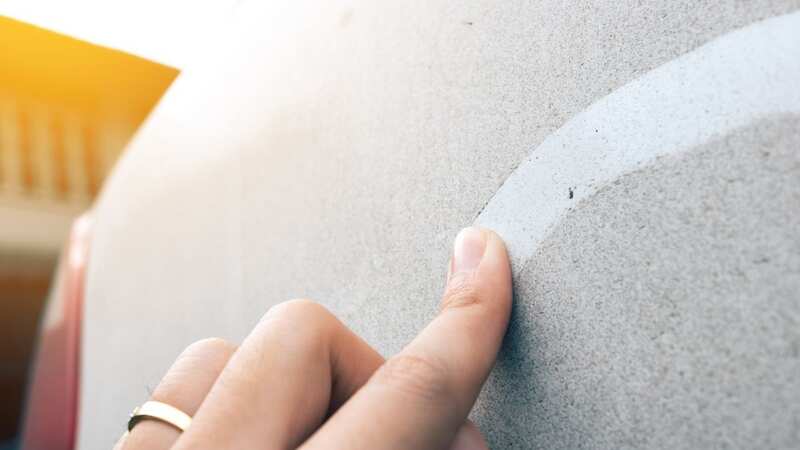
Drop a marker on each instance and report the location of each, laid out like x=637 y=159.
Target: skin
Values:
x=301 y=379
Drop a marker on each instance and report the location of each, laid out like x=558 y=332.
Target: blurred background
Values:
x=77 y=79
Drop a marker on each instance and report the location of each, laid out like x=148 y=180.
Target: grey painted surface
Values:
x=725 y=84
x=660 y=308
x=664 y=311
x=333 y=152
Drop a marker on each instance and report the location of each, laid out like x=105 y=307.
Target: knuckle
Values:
x=461 y=293
x=205 y=351
x=199 y=359
x=297 y=309
x=211 y=345
x=300 y=320
x=418 y=377
x=169 y=389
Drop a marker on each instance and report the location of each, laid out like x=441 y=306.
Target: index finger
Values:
x=420 y=397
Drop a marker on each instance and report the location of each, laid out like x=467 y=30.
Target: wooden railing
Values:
x=52 y=164
x=67 y=109
x=50 y=155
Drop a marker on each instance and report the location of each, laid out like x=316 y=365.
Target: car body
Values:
x=639 y=158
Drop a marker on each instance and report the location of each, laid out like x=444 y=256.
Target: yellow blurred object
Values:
x=67 y=110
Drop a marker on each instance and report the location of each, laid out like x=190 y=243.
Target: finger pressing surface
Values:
x=421 y=397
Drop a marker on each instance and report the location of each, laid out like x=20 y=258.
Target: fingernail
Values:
x=468 y=250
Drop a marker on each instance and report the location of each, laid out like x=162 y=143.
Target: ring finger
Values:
x=184 y=387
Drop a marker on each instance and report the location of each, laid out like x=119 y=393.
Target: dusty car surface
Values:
x=640 y=159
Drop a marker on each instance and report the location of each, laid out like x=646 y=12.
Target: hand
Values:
x=302 y=379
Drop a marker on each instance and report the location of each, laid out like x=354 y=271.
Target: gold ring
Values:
x=161 y=412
